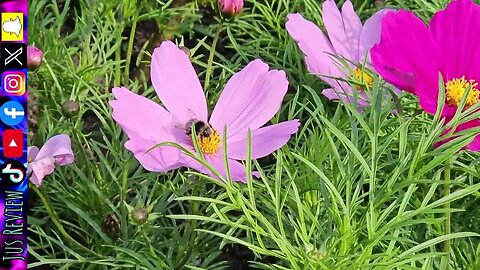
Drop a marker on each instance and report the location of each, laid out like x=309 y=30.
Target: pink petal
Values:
x=407 y=56
x=474 y=146
x=146 y=124
x=32 y=152
x=459 y=39
x=35 y=180
x=41 y=168
x=177 y=84
x=138 y=115
x=370 y=35
x=343 y=29
x=265 y=140
x=58 y=147
x=346 y=95
x=237 y=169
x=159 y=159
x=317 y=49
x=251 y=98
x=238 y=91
x=193 y=164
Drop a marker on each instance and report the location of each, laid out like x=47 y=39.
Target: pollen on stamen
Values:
x=455 y=90
x=361 y=76
x=209 y=145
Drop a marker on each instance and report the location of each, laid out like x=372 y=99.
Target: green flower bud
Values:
x=70 y=108
x=139 y=215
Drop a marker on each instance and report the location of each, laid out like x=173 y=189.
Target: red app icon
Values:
x=12 y=143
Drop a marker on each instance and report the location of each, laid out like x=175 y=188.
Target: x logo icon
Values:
x=13 y=56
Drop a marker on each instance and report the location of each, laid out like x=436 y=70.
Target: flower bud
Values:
x=70 y=107
x=34 y=57
x=139 y=215
x=379 y=3
x=231 y=7
x=111 y=225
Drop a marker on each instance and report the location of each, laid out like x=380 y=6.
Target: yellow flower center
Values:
x=209 y=145
x=455 y=90
x=361 y=76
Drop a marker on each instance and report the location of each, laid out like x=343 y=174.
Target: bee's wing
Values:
x=179 y=124
x=192 y=114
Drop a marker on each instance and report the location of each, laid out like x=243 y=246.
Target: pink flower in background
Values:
x=231 y=7
x=249 y=100
x=57 y=151
x=34 y=57
x=410 y=56
x=347 y=38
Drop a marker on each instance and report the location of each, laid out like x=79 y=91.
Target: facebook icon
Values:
x=12 y=113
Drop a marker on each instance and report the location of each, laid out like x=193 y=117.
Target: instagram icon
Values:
x=13 y=83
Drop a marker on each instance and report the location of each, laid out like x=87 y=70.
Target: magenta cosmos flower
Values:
x=250 y=99
x=57 y=151
x=348 y=39
x=411 y=55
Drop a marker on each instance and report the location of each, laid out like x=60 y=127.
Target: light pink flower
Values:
x=231 y=7
x=41 y=162
x=347 y=39
x=250 y=99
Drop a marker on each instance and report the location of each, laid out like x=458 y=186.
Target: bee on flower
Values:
x=249 y=100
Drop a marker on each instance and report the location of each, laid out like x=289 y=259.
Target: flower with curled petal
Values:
x=57 y=151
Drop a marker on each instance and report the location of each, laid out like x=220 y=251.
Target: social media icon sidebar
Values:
x=13 y=132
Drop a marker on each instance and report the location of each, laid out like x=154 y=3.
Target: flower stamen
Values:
x=455 y=90
x=361 y=76
x=209 y=144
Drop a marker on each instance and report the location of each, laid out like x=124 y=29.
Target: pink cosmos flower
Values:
x=348 y=39
x=411 y=55
x=250 y=99
x=41 y=162
x=231 y=7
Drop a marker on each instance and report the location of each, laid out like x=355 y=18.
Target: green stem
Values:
x=190 y=235
x=448 y=230
x=53 y=215
x=123 y=195
x=130 y=48
x=210 y=58
x=89 y=31
x=118 y=52
x=118 y=66
x=150 y=247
